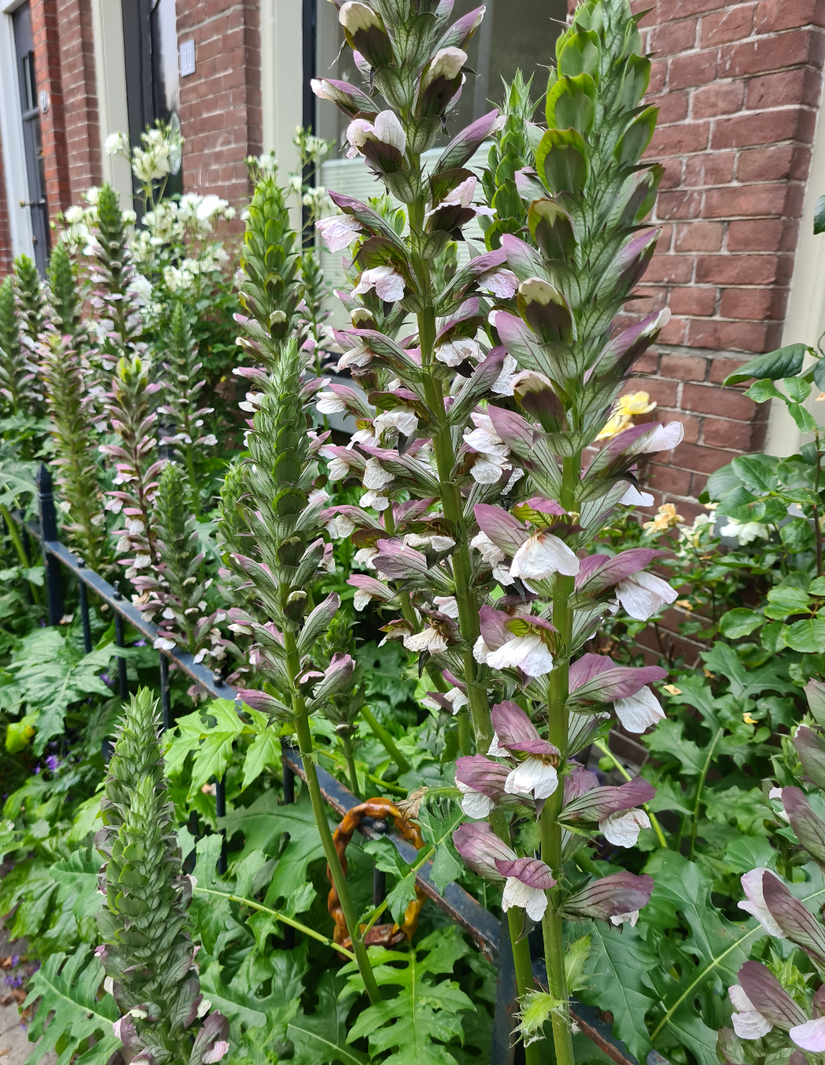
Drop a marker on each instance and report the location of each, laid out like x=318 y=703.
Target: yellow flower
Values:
x=666 y=518
x=746 y=717
x=617 y=424
x=820 y=398
x=636 y=403
x=671 y=689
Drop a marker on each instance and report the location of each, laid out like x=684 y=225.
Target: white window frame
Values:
x=805 y=315
x=110 y=79
x=11 y=132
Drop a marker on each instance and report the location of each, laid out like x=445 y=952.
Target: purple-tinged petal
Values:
x=492 y=623
x=463 y=146
x=260 y=701
x=514 y=430
x=793 y=917
x=512 y=725
x=530 y=871
x=596 y=678
x=480 y=847
x=502 y=528
x=611 y=896
x=810 y=1036
x=600 y=803
x=626 y=347
x=810 y=746
x=809 y=829
x=482 y=774
x=398 y=562
x=597 y=572
x=522 y=259
x=769 y=997
x=578 y=781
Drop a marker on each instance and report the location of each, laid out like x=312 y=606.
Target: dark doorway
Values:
x=32 y=137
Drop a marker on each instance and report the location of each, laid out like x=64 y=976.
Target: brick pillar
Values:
x=82 y=128
x=46 y=31
x=221 y=102
x=64 y=63
x=738 y=88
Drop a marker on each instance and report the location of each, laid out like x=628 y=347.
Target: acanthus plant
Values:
x=178 y=587
x=777 y=1009
x=272 y=508
x=485 y=418
x=147 y=950
x=17 y=370
x=182 y=389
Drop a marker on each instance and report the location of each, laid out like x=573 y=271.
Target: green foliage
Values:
x=426 y=1015
x=75 y=444
x=16 y=370
x=65 y=306
x=511 y=151
x=80 y=1027
x=149 y=952
x=47 y=674
x=30 y=302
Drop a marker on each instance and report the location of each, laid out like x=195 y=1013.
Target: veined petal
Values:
x=543 y=555
x=638 y=712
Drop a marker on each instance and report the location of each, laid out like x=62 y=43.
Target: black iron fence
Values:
x=459 y=905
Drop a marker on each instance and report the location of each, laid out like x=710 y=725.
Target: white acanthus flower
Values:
x=375 y=499
x=447 y=64
x=338 y=469
x=493 y=453
x=453 y=352
x=474 y=803
x=447 y=604
x=542 y=555
x=436 y=542
x=375 y=476
x=527 y=653
x=338 y=231
x=622 y=829
x=404 y=419
x=503 y=384
x=638 y=712
x=387 y=282
x=366 y=555
x=634 y=498
x=330 y=403
x=620 y=918
x=755 y=902
x=516 y=893
x=748 y=1022
x=532 y=777
x=642 y=594
x=429 y=639
x=344 y=526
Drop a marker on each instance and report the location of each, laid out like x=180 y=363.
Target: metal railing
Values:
x=458 y=904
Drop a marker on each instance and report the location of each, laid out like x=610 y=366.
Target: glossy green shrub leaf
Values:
x=740 y=622
x=763 y=390
x=807 y=636
x=784 y=362
x=819 y=216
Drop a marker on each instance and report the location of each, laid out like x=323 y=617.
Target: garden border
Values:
x=458 y=904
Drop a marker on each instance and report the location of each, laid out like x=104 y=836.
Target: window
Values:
x=32 y=138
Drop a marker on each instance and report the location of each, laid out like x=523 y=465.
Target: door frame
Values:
x=11 y=132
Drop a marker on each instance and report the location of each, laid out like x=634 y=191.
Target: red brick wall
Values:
x=82 y=129
x=46 y=30
x=221 y=102
x=738 y=89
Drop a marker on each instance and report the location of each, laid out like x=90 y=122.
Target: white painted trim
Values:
x=11 y=132
x=110 y=76
x=11 y=5
x=281 y=81
x=805 y=317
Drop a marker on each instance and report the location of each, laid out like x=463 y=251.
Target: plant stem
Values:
x=282 y=917
x=654 y=821
x=694 y=824
x=815 y=510
x=385 y=739
x=352 y=772
x=14 y=536
x=524 y=973
x=304 y=735
x=557 y=733
x=467 y=600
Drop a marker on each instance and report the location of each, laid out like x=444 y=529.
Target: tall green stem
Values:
x=319 y=812
x=385 y=739
x=14 y=535
x=467 y=600
x=524 y=973
x=352 y=772
x=551 y=833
